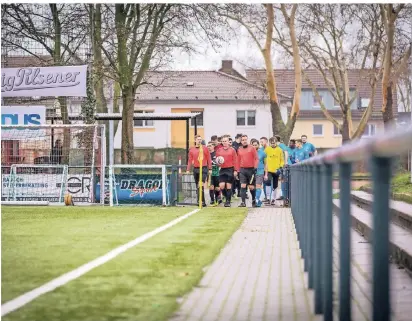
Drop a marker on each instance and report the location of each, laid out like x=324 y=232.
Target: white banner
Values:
x=44 y=81
x=22 y=115
x=46 y=187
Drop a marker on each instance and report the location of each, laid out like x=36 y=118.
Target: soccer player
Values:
x=283 y=147
x=236 y=143
x=275 y=163
x=227 y=169
x=214 y=190
x=216 y=142
x=264 y=144
x=291 y=151
x=262 y=171
x=300 y=153
x=206 y=165
x=310 y=148
x=236 y=183
x=247 y=164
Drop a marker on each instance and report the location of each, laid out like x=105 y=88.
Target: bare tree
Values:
x=325 y=44
x=405 y=91
x=136 y=38
x=47 y=33
x=391 y=72
x=259 y=21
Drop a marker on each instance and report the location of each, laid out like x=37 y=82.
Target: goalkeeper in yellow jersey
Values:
x=275 y=163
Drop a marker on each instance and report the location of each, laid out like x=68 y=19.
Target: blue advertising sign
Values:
x=134 y=189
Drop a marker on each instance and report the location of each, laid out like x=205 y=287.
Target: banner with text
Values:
x=44 y=81
x=46 y=187
x=134 y=189
x=22 y=115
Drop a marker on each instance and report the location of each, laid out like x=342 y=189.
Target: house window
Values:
x=317 y=101
x=317 y=130
x=370 y=130
x=336 y=131
x=199 y=119
x=141 y=122
x=364 y=102
x=245 y=118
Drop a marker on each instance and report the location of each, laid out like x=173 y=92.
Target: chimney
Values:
x=227 y=67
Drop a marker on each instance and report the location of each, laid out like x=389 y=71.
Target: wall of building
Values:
x=218 y=119
x=306 y=100
x=328 y=139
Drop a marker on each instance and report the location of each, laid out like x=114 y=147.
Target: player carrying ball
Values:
x=247 y=164
x=226 y=158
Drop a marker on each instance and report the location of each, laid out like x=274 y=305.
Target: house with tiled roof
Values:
x=228 y=103
x=312 y=121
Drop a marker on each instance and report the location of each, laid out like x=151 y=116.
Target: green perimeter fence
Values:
x=312 y=210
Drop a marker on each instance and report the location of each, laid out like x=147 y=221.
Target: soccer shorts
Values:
x=226 y=175
x=214 y=181
x=247 y=176
x=196 y=174
x=274 y=178
x=259 y=179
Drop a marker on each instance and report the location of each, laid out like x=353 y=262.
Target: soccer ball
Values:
x=220 y=160
x=68 y=201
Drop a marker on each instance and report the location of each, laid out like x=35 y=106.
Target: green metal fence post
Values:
x=345 y=171
x=317 y=188
x=381 y=174
x=311 y=212
x=327 y=236
x=304 y=215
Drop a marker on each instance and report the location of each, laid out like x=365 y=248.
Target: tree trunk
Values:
x=345 y=130
x=278 y=126
x=127 y=147
x=387 y=112
x=101 y=103
x=62 y=100
x=66 y=132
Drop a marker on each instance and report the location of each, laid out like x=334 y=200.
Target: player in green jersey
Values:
x=214 y=190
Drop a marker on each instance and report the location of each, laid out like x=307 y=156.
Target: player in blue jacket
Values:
x=308 y=147
x=300 y=154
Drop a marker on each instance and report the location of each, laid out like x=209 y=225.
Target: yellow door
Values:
x=179 y=129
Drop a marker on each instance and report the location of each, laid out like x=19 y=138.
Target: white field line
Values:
x=72 y=275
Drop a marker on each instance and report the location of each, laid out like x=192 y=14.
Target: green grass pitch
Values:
x=39 y=244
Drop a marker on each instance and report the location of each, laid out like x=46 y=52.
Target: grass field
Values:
x=401 y=187
x=39 y=244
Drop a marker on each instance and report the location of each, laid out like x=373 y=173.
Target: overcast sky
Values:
x=242 y=50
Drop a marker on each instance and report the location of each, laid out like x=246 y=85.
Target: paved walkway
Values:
x=258 y=275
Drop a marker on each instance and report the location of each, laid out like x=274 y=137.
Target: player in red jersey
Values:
x=216 y=142
x=247 y=164
x=227 y=169
x=206 y=165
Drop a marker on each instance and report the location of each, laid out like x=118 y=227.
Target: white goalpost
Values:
x=42 y=163
x=47 y=184
x=138 y=185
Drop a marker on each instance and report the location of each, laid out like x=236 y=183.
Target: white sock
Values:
x=268 y=191
x=274 y=193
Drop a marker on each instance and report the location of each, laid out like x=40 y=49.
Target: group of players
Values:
x=232 y=167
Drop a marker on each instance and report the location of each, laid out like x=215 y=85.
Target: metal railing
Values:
x=312 y=210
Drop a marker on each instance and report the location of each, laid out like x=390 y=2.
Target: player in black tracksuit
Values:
x=236 y=184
